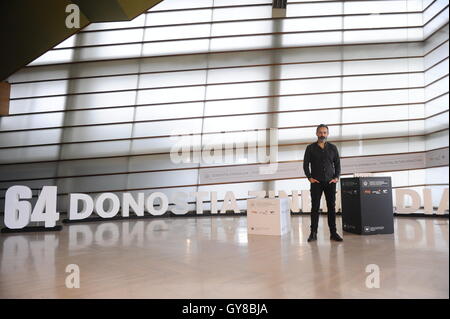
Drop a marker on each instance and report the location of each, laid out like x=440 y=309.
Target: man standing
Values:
x=323 y=176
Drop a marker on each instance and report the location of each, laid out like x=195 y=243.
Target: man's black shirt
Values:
x=325 y=163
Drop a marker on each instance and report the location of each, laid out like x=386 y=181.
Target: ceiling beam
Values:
x=29 y=28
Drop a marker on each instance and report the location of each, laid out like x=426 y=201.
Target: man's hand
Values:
x=334 y=180
x=313 y=180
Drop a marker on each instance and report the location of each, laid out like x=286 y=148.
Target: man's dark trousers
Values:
x=330 y=195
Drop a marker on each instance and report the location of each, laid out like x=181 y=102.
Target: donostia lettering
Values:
x=19 y=211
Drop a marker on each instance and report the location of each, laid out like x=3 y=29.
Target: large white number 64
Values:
x=18 y=213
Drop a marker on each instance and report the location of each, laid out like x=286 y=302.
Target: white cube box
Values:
x=268 y=216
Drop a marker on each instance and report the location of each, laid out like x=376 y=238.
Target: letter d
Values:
x=88 y=206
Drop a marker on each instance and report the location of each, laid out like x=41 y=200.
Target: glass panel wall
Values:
x=103 y=110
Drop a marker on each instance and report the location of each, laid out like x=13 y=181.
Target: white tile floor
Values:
x=213 y=257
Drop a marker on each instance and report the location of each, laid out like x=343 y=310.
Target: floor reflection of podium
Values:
x=268 y=216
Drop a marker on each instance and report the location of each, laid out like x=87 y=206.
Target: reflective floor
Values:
x=215 y=258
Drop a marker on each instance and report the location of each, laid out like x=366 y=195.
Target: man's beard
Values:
x=322 y=138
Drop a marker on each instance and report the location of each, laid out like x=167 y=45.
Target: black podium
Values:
x=367 y=205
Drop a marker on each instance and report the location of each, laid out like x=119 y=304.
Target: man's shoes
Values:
x=336 y=237
x=312 y=237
